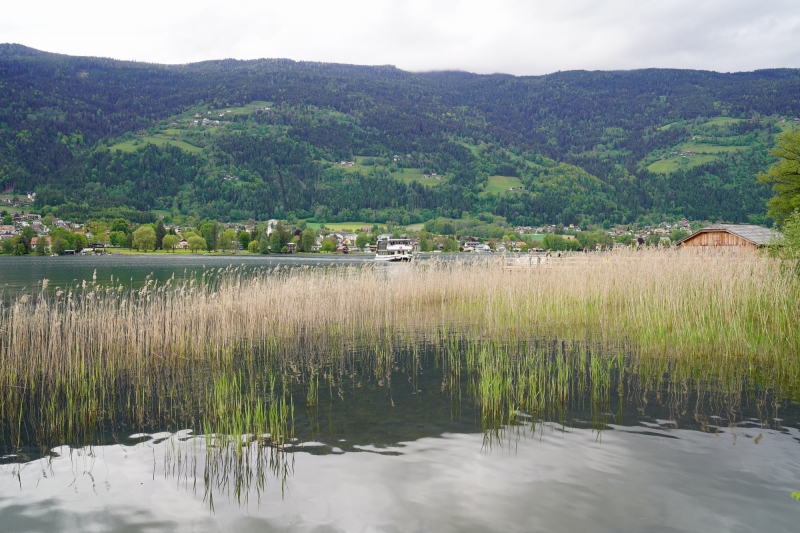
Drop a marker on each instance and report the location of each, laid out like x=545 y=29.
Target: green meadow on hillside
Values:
x=501 y=185
x=407 y=175
x=350 y=227
x=723 y=121
x=678 y=162
x=139 y=142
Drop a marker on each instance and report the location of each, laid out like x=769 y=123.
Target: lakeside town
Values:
x=26 y=233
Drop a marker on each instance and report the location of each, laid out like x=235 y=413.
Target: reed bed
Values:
x=221 y=353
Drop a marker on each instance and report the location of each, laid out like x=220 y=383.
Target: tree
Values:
x=80 y=241
x=161 y=231
x=362 y=240
x=28 y=234
x=279 y=238
x=263 y=243
x=450 y=245
x=98 y=231
x=307 y=240
x=8 y=220
x=170 y=242
x=209 y=231
x=118 y=238
x=58 y=245
x=329 y=244
x=678 y=234
x=120 y=224
x=196 y=243
x=788 y=248
x=41 y=245
x=144 y=238
x=252 y=247
x=7 y=246
x=21 y=246
x=244 y=240
x=227 y=239
x=784 y=175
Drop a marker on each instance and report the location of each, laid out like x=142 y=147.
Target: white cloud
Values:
x=514 y=36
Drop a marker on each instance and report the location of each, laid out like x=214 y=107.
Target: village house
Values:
x=746 y=236
x=47 y=243
x=474 y=246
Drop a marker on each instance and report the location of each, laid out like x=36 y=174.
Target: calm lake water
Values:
x=25 y=273
x=410 y=459
x=397 y=454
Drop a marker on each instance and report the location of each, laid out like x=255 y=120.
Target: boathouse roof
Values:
x=758 y=235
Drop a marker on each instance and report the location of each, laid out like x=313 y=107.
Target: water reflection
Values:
x=436 y=431
x=563 y=480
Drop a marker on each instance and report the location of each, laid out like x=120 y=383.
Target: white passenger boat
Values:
x=395 y=250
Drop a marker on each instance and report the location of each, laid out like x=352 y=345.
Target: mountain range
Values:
x=275 y=138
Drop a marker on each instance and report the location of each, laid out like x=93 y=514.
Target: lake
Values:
x=419 y=432
x=24 y=273
x=416 y=462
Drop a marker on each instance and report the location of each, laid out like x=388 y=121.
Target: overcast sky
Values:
x=511 y=36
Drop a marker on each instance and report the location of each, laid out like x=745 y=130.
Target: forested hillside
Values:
x=233 y=140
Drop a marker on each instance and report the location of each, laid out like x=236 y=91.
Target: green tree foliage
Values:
x=329 y=245
x=244 y=239
x=41 y=245
x=788 y=248
x=677 y=234
x=252 y=247
x=160 y=231
x=98 y=231
x=263 y=243
x=209 y=230
x=118 y=238
x=784 y=176
x=169 y=242
x=450 y=245
x=227 y=240
x=63 y=240
x=7 y=246
x=362 y=240
x=144 y=239
x=120 y=225
x=557 y=243
x=307 y=240
x=196 y=243
x=590 y=240
x=279 y=237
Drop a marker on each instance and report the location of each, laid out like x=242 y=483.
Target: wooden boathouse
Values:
x=730 y=236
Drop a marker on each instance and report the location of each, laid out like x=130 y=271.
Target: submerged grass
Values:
x=220 y=354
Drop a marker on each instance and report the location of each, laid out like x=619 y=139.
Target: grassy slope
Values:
x=705 y=153
x=501 y=184
x=406 y=176
x=133 y=145
x=351 y=227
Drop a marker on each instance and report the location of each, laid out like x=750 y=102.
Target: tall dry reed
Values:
x=217 y=351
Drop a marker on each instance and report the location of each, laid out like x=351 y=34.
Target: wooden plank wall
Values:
x=717 y=238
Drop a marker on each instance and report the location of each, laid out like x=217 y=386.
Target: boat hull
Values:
x=393 y=258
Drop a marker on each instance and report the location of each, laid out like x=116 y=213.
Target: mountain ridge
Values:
x=60 y=113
